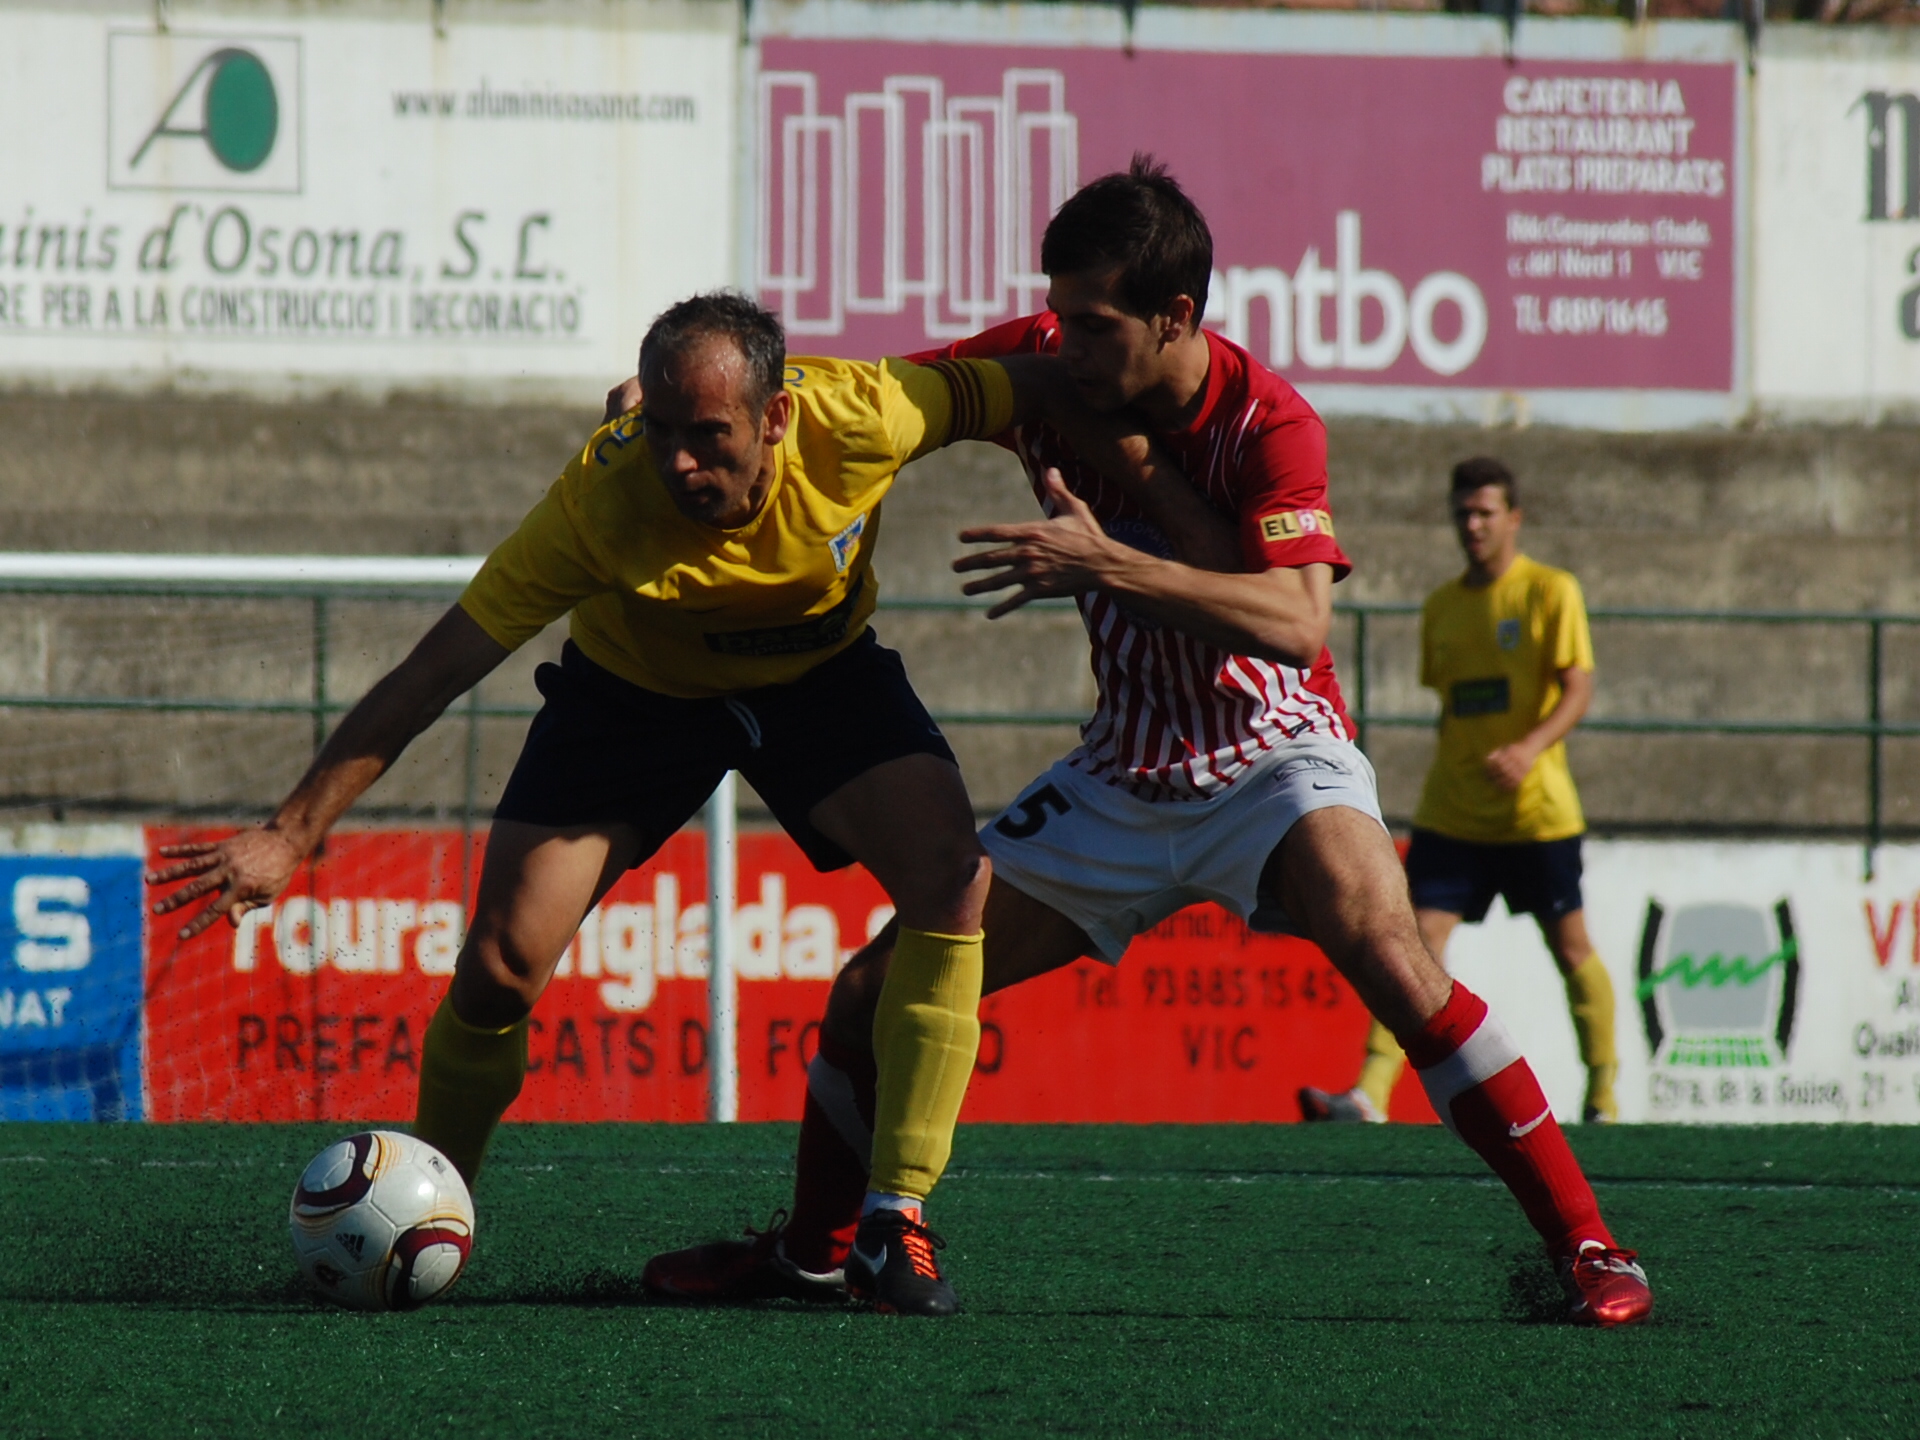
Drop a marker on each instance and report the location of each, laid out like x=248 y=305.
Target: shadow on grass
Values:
x=149 y=1283
x=1534 y=1296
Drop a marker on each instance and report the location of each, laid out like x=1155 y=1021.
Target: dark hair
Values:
x=752 y=327
x=1142 y=224
x=1480 y=472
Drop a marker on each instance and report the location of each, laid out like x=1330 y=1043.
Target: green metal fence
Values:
x=1359 y=674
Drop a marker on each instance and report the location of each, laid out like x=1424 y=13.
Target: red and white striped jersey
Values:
x=1177 y=718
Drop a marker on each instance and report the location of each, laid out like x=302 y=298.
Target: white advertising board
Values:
x=1837 y=224
x=277 y=198
x=1756 y=983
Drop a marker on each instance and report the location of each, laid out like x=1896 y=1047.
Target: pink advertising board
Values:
x=1385 y=221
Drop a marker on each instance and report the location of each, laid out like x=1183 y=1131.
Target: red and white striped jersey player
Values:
x=1219 y=763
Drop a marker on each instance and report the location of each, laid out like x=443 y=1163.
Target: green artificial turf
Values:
x=1282 y=1280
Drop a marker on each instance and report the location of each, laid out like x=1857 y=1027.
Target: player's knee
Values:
x=947 y=888
x=494 y=982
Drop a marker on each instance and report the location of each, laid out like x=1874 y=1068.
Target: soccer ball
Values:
x=381 y=1221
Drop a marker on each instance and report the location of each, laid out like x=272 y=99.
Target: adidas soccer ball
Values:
x=381 y=1221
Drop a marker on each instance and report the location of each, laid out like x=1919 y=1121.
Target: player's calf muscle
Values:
x=856 y=992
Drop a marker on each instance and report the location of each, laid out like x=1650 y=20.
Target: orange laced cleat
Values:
x=893 y=1266
x=1606 y=1286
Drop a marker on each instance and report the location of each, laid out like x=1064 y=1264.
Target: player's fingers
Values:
x=189 y=847
x=988 y=560
x=168 y=874
x=166 y=904
x=199 y=923
x=205 y=884
x=225 y=903
x=1065 y=502
x=990 y=583
x=189 y=859
x=994 y=534
x=1013 y=603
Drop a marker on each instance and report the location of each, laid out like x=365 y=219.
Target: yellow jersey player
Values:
x=1506 y=648
x=1219 y=764
x=715 y=551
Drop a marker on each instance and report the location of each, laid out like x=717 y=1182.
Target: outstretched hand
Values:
x=1060 y=555
x=242 y=873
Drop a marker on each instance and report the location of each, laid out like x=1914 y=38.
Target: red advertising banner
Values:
x=315 y=1008
x=1377 y=220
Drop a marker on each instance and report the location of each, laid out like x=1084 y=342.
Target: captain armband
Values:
x=981 y=397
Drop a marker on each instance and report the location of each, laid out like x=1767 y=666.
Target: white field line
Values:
x=1051 y=1177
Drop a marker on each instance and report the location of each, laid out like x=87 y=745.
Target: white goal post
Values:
x=350 y=574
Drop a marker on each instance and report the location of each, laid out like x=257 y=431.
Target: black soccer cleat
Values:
x=892 y=1266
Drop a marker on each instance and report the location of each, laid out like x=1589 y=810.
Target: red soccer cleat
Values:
x=1605 y=1286
x=727 y=1271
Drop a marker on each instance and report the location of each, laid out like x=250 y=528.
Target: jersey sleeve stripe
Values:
x=982 y=397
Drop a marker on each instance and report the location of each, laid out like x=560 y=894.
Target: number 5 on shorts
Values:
x=1034 y=808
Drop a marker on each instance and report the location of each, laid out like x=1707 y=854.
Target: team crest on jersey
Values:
x=842 y=544
x=1507 y=634
x=1295 y=525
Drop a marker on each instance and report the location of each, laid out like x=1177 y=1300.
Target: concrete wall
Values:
x=1797 y=519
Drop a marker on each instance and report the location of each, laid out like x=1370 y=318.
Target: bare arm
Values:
x=1119 y=446
x=1281 y=615
x=1508 y=766
x=246 y=871
x=622 y=398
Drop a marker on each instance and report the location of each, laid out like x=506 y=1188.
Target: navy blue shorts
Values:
x=1461 y=877
x=605 y=751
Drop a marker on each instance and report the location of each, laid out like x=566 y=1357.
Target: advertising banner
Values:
x=1837 y=224
x=1390 y=229
x=1756 y=983
x=70 y=968
x=315 y=1008
x=261 y=198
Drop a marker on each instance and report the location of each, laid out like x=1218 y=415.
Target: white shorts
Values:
x=1116 y=865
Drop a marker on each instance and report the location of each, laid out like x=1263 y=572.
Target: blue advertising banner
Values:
x=70 y=988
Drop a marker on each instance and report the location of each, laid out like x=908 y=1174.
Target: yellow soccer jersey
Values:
x=686 y=609
x=1495 y=656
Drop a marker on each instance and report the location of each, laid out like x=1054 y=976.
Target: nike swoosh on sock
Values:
x=1520 y=1132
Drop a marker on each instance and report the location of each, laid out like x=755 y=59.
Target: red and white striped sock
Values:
x=1485 y=1092
x=836 y=1150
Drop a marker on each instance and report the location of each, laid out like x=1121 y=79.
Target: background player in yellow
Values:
x=715 y=552
x=1506 y=647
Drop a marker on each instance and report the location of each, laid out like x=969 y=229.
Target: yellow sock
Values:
x=1590 y=1001
x=468 y=1078
x=925 y=1034
x=1380 y=1071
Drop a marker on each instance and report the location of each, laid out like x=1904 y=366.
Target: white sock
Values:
x=881 y=1200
